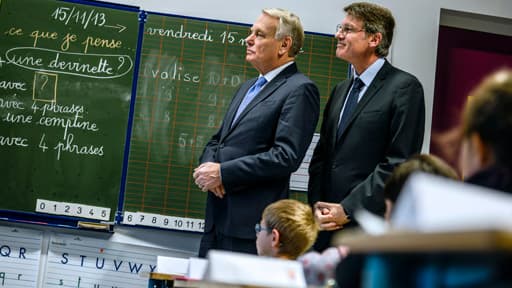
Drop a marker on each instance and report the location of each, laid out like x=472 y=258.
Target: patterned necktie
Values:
x=350 y=105
x=253 y=91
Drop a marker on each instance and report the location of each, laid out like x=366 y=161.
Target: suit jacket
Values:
x=385 y=129
x=260 y=150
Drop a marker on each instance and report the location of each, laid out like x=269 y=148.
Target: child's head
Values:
x=287 y=229
x=423 y=163
x=487 y=125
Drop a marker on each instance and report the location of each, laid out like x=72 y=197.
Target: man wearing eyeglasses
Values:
x=371 y=123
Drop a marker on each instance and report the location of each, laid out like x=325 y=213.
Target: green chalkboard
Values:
x=189 y=71
x=66 y=74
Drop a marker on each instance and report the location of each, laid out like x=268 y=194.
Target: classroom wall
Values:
x=414 y=50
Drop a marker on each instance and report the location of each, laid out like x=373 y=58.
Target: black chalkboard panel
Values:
x=66 y=74
x=189 y=71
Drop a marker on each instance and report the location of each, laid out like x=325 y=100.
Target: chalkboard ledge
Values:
x=53 y=221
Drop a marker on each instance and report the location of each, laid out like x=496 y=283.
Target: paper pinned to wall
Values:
x=89 y=262
x=20 y=253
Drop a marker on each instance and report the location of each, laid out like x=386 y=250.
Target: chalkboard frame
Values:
x=73 y=222
x=300 y=195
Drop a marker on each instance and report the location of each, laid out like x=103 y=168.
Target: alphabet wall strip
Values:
x=88 y=262
x=20 y=251
x=74 y=261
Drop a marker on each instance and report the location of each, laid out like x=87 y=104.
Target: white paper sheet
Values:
x=430 y=203
x=244 y=269
x=89 y=262
x=20 y=251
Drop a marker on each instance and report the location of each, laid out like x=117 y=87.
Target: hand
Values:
x=330 y=216
x=207 y=177
x=219 y=191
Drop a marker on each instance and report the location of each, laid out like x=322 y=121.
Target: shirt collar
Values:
x=369 y=74
x=273 y=73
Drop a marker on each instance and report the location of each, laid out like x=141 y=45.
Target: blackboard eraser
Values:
x=95 y=226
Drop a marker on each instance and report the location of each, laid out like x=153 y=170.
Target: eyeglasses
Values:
x=258 y=228
x=344 y=29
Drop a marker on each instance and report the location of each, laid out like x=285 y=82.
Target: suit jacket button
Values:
x=334 y=166
x=221 y=145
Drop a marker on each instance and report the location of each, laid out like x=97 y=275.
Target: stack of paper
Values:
x=430 y=203
x=196 y=268
x=244 y=269
x=190 y=269
x=172 y=265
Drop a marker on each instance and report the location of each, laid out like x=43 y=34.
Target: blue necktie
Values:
x=350 y=106
x=253 y=91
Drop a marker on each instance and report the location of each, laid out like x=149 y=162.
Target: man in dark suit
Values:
x=247 y=164
x=371 y=123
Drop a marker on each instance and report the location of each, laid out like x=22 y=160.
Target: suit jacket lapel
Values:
x=370 y=92
x=230 y=114
x=264 y=93
x=339 y=97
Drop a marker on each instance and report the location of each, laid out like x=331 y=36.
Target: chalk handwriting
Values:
x=36 y=34
x=215 y=78
x=57 y=108
x=174 y=72
x=53 y=121
x=232 y=37
x=14 y=31
x=69 y=38
x=180 y=33
x=12 y=85
x=69 y=147
x=13 y=141
x=104 y=66
x=77 y=16
x=17 y=118
x=102 y=43
x=11 y=104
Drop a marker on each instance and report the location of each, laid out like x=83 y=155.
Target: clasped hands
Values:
x=207 y=178
x=330 y=216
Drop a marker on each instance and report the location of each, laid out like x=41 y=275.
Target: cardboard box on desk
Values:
x=430 y=203
x=244 y=269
